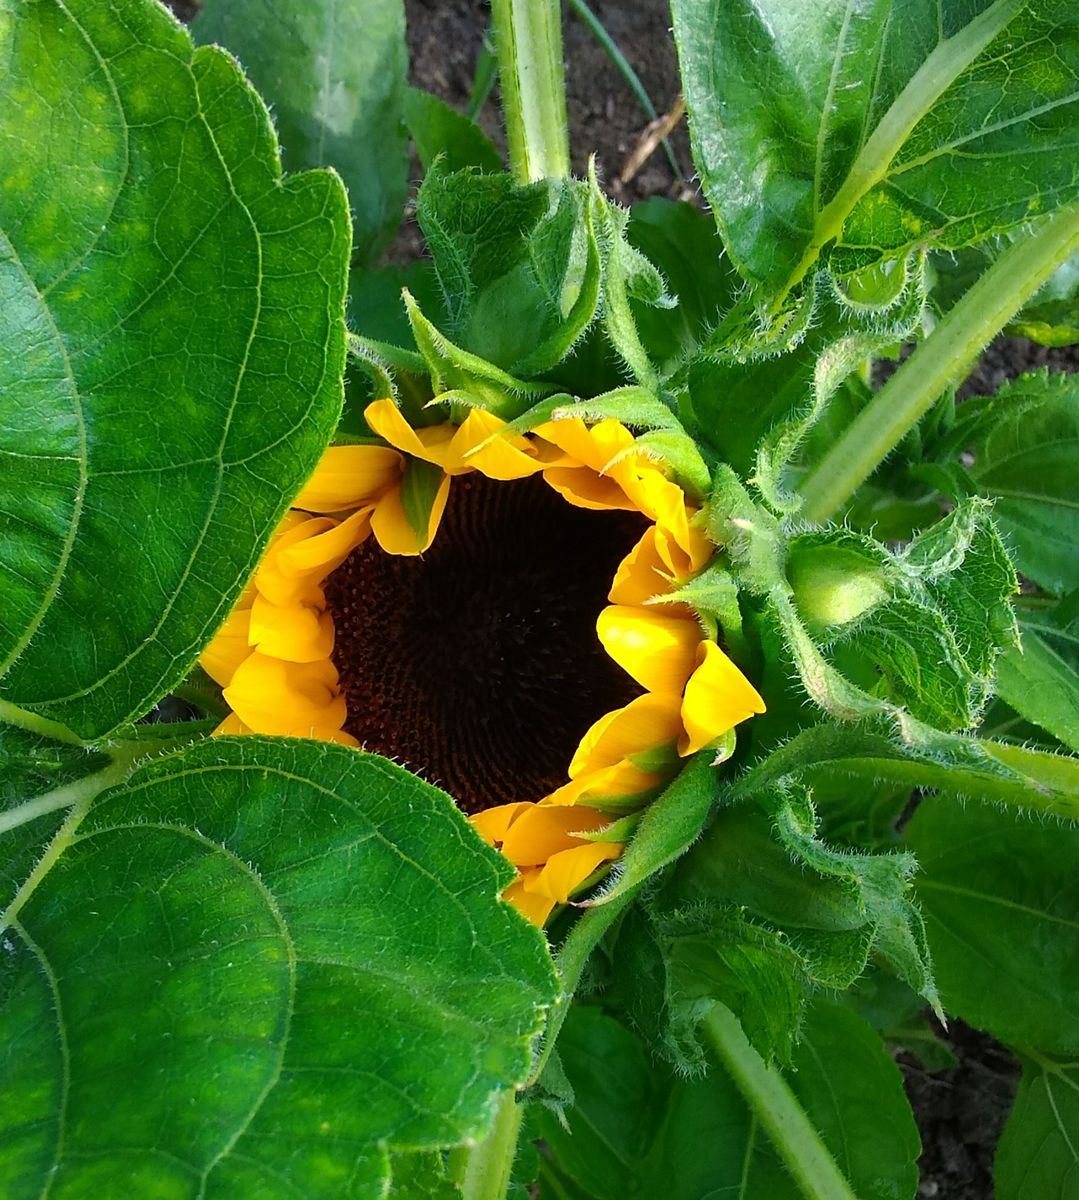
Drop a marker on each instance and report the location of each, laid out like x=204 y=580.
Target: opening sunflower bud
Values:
x=502 y=645
x=834 y=584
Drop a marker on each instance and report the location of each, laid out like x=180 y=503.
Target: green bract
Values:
x=268 y=967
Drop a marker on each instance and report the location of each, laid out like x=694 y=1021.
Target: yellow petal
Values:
x=493 y=823
x=228 y=649
x=543 y=830
x=295 y=632
x=394 y=531
x=642 y=574
x=349 y=477
x=328 y=734
x=718 y=697
x=585 y=488
x=665 y=502
x=297 y=699
x=595 y=446
x=618 y=787
x=232 y=725
x=658 y=650
x=649 y=721
x=533 y=906
x=276 y=577
x=315 y=557
x=432 y=443
x=478 y=445
x=564 y=872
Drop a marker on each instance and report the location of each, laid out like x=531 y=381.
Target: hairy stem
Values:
x=22 y=718
x=69 y=794
x=571 y=959
x=942 y=359
x=528 y=41
x=488 y=1167
x=777 y=1109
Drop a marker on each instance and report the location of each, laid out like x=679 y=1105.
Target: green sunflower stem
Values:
x=486 y=1168
x=775 y=1106
x=942 y=360
x=528 y=42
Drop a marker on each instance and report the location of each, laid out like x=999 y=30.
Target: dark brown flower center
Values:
x=478 y=664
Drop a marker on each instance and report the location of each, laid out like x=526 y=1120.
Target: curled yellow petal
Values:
x=349 y=477
x=665 y=502
x=431 y=443
x=585 y=488
x=228 y=648
x=479 y=445
x=394 y=531
x=543 y=830
x=295 y=632
x=656 y=649
x=277 y=577
x=642 y=574
x=617 y=787
x=717 y=697
x=493 y=823
x=646 y=722
x=564 y=872
x=596 y=446
x=533 y=906
x=315 y=557
x=297 y=699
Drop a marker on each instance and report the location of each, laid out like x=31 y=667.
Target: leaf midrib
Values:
x=945 y=63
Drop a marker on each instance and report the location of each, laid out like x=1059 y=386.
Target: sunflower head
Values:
x=495 y=609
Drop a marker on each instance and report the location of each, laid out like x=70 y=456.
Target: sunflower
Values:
x=525 y=658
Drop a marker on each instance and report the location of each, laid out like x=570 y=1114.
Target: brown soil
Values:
x=960 y=1113
x=445 y=37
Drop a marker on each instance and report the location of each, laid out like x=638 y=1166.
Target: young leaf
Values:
x=333 y=71
x=682 y=243
x=291 y=954
x=437 y=129
x=858 y=125
x=519 y=266
x=1038 y=1153
x=956 y=766
x=1001 y=902
x=758 y=915
x=636 y=1130
x=152 y=427
x=1025 y=440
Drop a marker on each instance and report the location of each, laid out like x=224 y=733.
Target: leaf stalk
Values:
x=528 y=42
x=942 y=360
x=776 y=1107
x=490 y=1164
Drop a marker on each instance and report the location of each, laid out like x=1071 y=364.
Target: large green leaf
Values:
x=636 y=1131
x=254 y=970
x=1025 y=441
x=876 y=124
x=1001 y=899
x=1041 y=681
x=1052 y=316
x=1038 y=1154
x=172 y=323
x=437 y=129
x=334 y=73
x=682 y=243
